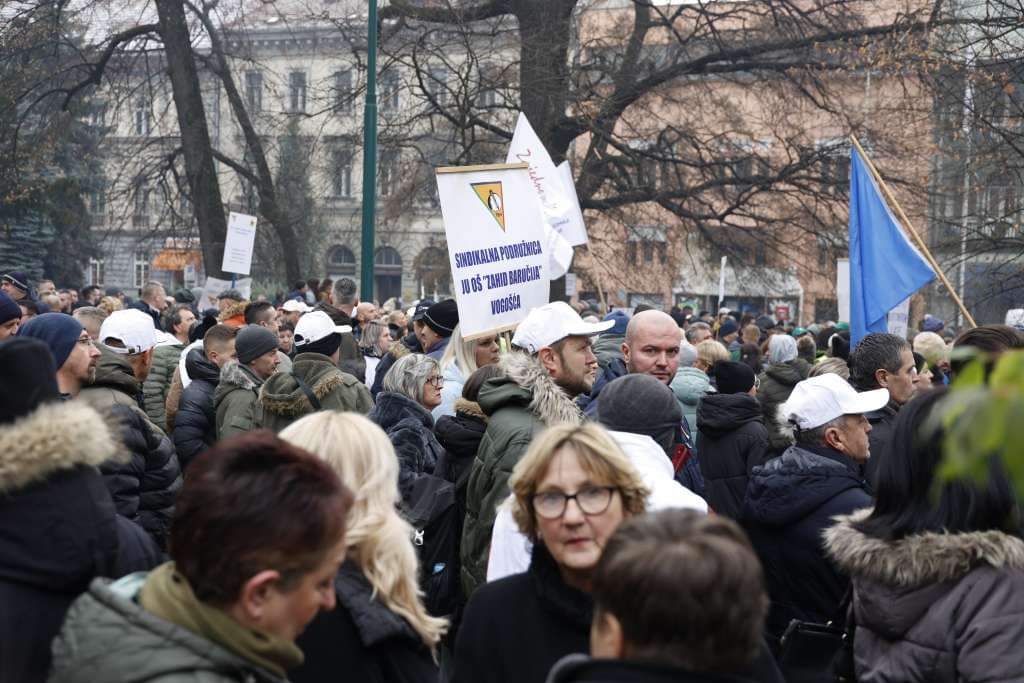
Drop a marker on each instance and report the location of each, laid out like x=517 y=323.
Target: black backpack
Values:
x=436 y=515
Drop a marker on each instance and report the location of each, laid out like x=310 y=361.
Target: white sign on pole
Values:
x=843 y=288
x=547 y=182
x=497 y=247
x=239 y=243
x=213 y=287
x=721 y=282
x=570 y=284
x=899 y=318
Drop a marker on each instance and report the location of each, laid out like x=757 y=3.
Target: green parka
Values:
x=236 y=400
x=158 y=382
x=282 y=401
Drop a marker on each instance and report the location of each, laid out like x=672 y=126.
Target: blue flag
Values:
x=885 y=268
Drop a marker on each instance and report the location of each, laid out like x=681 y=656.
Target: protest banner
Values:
x=497 y=246
x=214 y=287
x=239 y=244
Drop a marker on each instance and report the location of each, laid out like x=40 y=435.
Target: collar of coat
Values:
x=235 y=374
x=54 y=437
x=469 y=408
x=921 y=558
x=550 y=403
x=282 y=395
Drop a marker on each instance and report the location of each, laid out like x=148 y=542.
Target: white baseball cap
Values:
x=821 y=399
x=315 y=326
x=133 y=328
x=553 y=322
x=296 y=306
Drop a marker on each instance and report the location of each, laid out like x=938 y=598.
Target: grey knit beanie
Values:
x=640 y=404
x=253 y=341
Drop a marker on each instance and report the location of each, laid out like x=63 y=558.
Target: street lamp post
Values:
x=369 y=157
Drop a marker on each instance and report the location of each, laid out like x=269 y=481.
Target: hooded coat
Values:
x=158 y=382
x=410 y=427
x=146 y=484
x=937 y=607
x=282 y=401
x=362 y=638
x=790 y=502
x=608 y=348
x=777 y=384
x=690 y=385
x=235 y=400
x=519 y=406
x=734 y=441
x=195 y=423
x=58 y=529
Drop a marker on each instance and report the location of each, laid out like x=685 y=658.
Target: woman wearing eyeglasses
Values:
x=570 y=491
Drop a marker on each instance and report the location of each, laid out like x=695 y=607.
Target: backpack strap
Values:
x=313 y=400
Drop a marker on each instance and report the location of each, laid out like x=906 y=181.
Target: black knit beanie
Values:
x=732 y=377
x=26 y=363
x=640 y=404
x=442 y=317
x=252 y=342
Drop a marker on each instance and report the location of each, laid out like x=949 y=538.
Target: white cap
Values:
x=133 y=328
x=296 y=306
x=821 y=399
x=314 y=326
x=553 y=322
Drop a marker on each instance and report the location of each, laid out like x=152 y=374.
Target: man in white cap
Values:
x=793 y=498
x=127 y=339
x=553 y=364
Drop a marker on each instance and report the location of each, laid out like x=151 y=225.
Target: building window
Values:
x=254 y=91
x=97 y=116
x=141 y=268
x=388 y=175
x=341 y=262
x=297 y=91
x=433 y=272
x=97 y=204
x=437 y=84
x=343 y=94
x=341 y=173
x=487 y=96
x=646 y=245
x=142 y=115
x=97 y=272
x=389 y=91
x=140 y=207
x=387 y=273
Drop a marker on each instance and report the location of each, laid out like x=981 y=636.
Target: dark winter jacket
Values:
x=235 y=400
x=615 y=369
x=516 y=628
x=880 y=437
x=363 y=639
x=282 y=401
x=460 y=435
x=158 y=382
x=195 y=423
x=351 y=357
x=942 y=608
x=410 y=428
x=145 y=485
x=777 y=384
x=109 y=637
x=790 y=502
x=404 y=346
x=519 y=406
x=58 y=529
x=583 y=669
x=141 y=305
x=734 y=441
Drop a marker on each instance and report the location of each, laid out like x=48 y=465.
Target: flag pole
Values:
x=913 y=233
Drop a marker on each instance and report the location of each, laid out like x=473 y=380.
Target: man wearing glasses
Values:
x=73 y=351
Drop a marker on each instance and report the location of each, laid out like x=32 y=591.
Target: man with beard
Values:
x=553 y=364
x=73 y=350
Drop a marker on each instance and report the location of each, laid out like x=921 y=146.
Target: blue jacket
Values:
x=615 y=369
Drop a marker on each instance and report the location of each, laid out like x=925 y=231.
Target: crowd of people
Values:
x=319 y=488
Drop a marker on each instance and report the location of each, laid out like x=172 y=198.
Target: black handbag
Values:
x=820 y=653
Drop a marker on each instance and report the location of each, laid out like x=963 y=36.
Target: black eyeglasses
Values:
x=592 y=500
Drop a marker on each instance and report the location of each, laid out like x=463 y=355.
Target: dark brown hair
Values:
x=471 y=389
x=687 y=589
x=251 y=503
x=219 y=335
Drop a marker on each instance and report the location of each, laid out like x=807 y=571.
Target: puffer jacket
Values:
x=350 y=358
x=777 y=384
x=689 y=385
x=410 y=428
x=410 y=343
x=936 y=607
x=236 y=400
x=282 y=401
x=519 y=406
x=145 y=485
x=615 y=369
x=109 y=637
x=195 y=423
x=790 y=502
x=158 y=382
x=734 y=442
x=58 y=529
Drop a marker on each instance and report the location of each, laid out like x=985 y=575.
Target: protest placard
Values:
x=497 y=248
x=239 y=244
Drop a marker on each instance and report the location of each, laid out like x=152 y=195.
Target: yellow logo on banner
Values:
x=490 y=194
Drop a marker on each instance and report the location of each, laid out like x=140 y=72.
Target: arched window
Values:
x=433 y=273
x=387 y=273
x=341 y=262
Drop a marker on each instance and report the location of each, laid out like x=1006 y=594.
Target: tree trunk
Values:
x=195 y=137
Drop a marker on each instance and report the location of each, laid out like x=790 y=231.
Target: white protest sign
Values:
x=547 y=182
x=843 y=287
x=215 y=286
x=497 y=247
x=239 y=243
x=721 y=282
x=899 y=319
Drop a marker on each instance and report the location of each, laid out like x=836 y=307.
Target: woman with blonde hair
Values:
x=460 y=360
x=710 y=352
x=380 y=630
x=570 y=491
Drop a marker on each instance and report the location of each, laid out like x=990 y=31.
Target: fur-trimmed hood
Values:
x=233 y=376
x=526 y=382
x=920 y=559
x=54 y=437
x=282 y=395
x=466 y=407
x=235 y=310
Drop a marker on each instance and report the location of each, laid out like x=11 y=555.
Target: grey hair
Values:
x=691 y=331
x=409 y=374
x=370 y=338
x=781 y=348
x=805 y=437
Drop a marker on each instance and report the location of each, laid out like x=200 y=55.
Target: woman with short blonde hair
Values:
x=380 y=574
x=709 y=352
